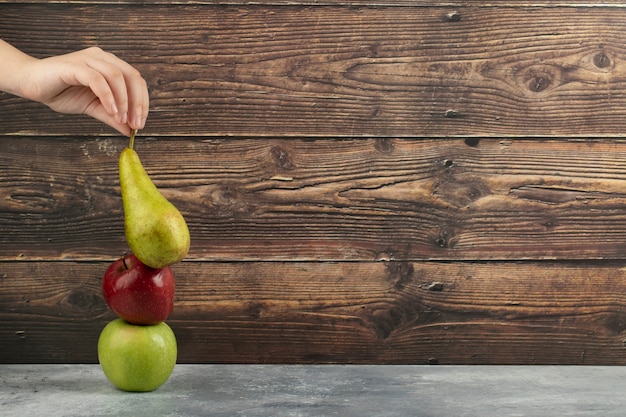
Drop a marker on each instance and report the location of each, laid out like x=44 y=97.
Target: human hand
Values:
x=92 y=82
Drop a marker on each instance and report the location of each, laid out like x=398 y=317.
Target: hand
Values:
x=91 y=82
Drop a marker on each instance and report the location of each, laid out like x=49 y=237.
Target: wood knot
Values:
x=256 y=310
x=444 y=239
x=281 y=157
x=541 y=78
x=601 y=60
x=400 y=273
x=461 y=193
x=451 y=114
x=82 y=299
x=539 y=83
x=384 y=145
x=472 y=142
x=227 y=201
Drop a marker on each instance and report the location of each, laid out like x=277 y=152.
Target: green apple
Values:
x=137 y=358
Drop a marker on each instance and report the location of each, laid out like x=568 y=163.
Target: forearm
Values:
x=12 y=69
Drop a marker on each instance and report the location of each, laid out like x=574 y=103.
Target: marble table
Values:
x=320 y=390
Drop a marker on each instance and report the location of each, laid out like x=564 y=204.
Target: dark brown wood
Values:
x=261 y=70
x=581 y=4
x=325 y=199
x=364 y=182
x=328 y=312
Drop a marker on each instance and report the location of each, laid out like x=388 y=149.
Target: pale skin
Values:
x=90 y=81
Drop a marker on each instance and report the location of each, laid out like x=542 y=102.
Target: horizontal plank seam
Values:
x=459 y=5
x=313 y=260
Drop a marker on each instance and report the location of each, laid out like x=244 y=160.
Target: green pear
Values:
x=156 y=231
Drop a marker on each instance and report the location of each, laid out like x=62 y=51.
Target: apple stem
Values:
x=124 y=260
x=132 y=138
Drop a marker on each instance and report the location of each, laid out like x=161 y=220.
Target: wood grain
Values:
x=364 y=182
x=262 y=70
x=325 y=199
x=328 y=312
x=364 y=3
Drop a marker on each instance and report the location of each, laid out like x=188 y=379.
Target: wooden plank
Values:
x=261 y=70
x=324 y=199
x=346 y=312
x=296 y=137
x=366 y=3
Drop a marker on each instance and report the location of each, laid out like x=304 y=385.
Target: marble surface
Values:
x=320 y=390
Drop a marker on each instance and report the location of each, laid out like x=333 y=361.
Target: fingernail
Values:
x=124 y=118
x=138 y=122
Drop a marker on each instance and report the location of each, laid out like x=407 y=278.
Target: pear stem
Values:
x=132 y=138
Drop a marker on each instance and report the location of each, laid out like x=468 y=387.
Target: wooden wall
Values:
x=404 y=182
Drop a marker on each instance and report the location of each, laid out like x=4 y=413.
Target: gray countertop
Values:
x=320 y=390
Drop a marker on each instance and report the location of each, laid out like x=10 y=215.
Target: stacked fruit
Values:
x=138 y=350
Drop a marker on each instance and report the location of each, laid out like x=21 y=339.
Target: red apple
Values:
x=138 y=293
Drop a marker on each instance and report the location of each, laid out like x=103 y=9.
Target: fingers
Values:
x=99 y=85
x=123 y=93
x=95 y=83
x=97 y=111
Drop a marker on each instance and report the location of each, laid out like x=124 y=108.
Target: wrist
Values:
x=14 y=70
